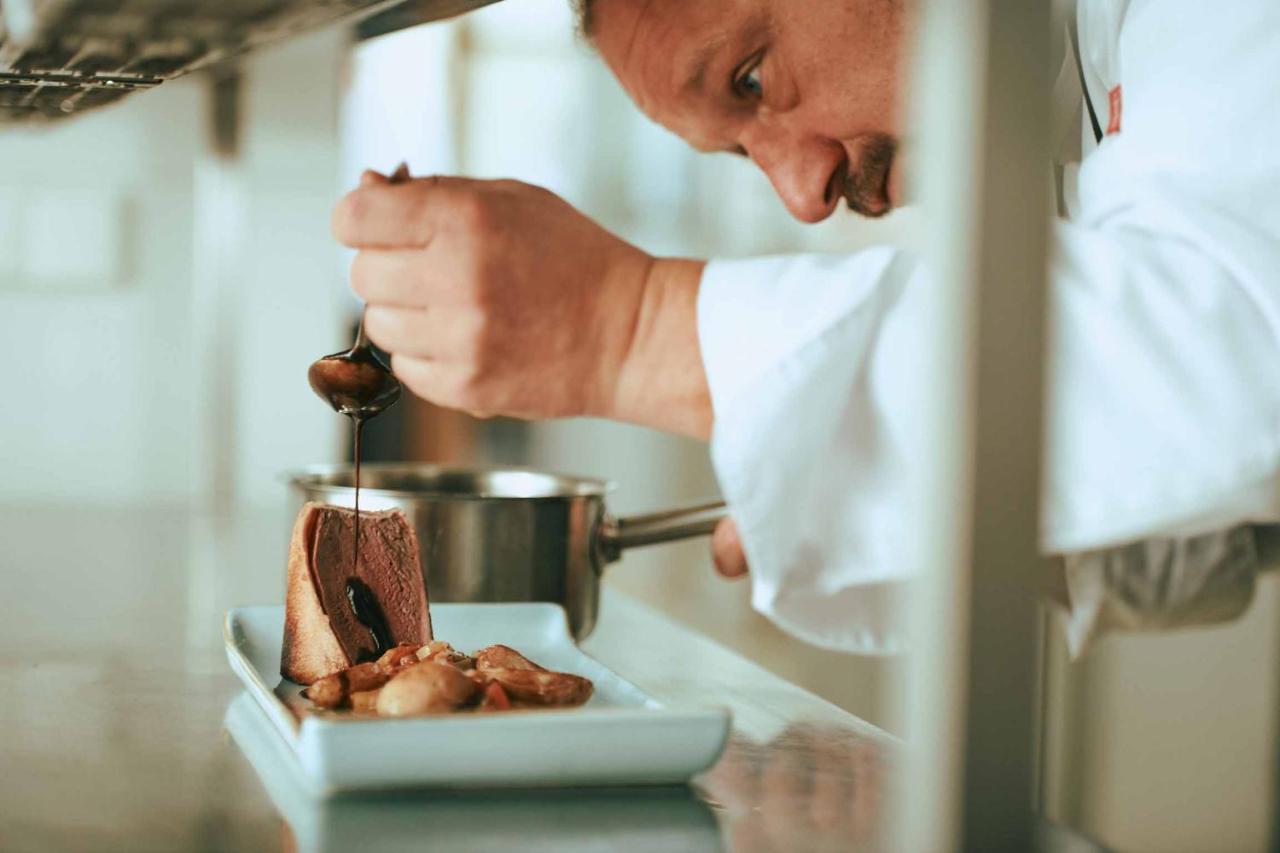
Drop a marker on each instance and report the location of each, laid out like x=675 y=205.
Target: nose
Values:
x=806 y=170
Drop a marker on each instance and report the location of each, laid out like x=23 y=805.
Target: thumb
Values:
x=726 y=550
x=369 y=177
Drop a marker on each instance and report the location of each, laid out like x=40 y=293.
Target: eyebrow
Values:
x=696 y=76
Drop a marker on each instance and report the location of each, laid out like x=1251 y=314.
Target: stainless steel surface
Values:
x=117 y=689
x=355 y=382
x=61 y=57
x=618 y=534
x=505 y=534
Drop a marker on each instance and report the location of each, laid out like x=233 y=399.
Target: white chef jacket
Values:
x=1163 y=351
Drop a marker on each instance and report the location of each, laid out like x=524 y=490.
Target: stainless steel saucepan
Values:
x=507 y=534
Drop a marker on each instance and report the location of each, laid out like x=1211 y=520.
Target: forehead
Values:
x=661 y=51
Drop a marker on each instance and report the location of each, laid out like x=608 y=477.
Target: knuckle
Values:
x=474 y=212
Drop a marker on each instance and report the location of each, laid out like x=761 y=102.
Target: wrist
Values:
x=660 y=381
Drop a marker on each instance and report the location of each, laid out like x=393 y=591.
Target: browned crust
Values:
x=310 y=650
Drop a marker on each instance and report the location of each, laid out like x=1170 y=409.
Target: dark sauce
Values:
x=367 y=611
x=364 y=606
x=354 y=383
x=357 y=384
x=358 y=424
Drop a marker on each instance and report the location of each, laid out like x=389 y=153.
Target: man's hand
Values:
x=499 y=298
x=726 y=551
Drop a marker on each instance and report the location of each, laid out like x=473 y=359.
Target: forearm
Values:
x=661 y=382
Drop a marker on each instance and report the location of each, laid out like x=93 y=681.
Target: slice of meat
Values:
x=323 y=630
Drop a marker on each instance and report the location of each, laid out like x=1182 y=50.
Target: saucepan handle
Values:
x=615 y=535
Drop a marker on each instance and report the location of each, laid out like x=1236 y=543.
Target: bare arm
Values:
x=662 y=382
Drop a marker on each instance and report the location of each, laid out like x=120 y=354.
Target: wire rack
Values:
x=62 y=57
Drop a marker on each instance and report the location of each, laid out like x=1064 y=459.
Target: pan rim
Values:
x=311 y=479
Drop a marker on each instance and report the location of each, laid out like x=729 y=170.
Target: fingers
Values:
x=444 y=384
x=726 y=550
x=390 y=277
x=421 y=375
x=381 y=214
x=418 y=332
x=400 y=330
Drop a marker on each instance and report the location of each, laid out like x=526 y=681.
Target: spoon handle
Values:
x=362 y=340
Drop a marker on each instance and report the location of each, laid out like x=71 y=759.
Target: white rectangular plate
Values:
x=622 y=736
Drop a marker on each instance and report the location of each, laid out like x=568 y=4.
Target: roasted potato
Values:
x=425 y=688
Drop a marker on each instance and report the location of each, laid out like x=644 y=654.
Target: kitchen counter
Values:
x=122 y=727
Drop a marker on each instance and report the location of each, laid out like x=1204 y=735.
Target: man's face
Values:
x=807 y=90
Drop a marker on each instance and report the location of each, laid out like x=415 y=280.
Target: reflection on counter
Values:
x=815 y=788
x=812 y=787
x=642 y=819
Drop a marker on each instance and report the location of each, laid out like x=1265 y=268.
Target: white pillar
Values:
x=981 y=100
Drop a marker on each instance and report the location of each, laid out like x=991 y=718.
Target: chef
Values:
x=1163 y=442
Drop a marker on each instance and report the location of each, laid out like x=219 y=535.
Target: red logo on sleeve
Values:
x=1117 y=106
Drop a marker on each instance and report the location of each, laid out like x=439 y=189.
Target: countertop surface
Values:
x=121 y=728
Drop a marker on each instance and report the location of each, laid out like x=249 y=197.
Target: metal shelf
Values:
x=63 y=57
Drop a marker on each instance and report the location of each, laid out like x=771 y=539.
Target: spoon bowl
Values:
x=354 y=383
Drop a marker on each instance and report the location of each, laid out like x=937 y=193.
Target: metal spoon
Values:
x=356 y=382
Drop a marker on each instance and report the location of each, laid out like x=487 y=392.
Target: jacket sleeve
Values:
x=1163 y=411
